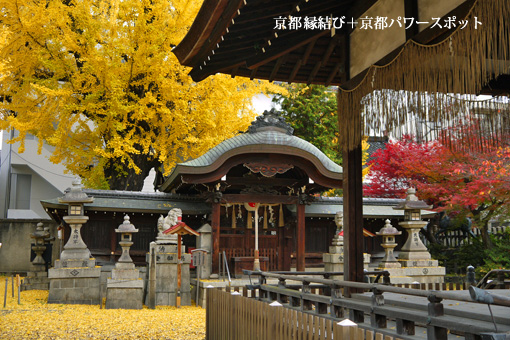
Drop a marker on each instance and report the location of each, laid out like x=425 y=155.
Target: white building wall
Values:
x=47 y=180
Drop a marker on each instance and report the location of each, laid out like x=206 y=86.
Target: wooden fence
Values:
x=233 y=317
x=456 y=238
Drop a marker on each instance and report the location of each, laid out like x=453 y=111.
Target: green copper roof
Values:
x=266 y=137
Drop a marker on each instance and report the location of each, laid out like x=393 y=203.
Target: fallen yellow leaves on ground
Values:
x=34 y=318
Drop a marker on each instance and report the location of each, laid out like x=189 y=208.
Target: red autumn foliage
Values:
x=452 y=178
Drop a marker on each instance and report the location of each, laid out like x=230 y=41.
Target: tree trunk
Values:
x=120 y=177
x=487 y=243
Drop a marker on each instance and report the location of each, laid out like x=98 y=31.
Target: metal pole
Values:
x=12 y=284
x=19 y=295
x=5 y=295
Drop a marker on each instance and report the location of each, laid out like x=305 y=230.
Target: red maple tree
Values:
x=455 y=179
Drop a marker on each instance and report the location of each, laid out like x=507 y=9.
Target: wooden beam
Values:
x=253 y=73
x=427 y=36
x=411 y=11
x=295 y=70
x=216 y=29
x=215 y=224
x=309 y=49
x=291 y=44
x=314 y=72
x=333 y=74
x=267 y=181
x=268 y=199
x=300 y=236
x=332 y=44
x=277 y=67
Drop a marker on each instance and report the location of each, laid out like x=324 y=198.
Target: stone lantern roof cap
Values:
x=75 y=194
x=388 y=230
x=40 y=232
x=412 y=202
x=126 y=226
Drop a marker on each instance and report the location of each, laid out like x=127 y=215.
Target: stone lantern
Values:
x=75 y=277
x=125 y=288
x=39 y=235
x=126 y=229
x=37 y=278
x=413 y=249
x=75 y=248
x=388 y=233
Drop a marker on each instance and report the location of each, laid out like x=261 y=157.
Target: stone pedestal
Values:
x=413 y=249
x=335 y=263
x=75 y=278
x=334 y=260
x=166 y=276
x=36 y=280
x=204 y=241
x=74 y=282
x=125 y=288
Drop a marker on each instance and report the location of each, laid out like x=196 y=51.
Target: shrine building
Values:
x=266 y=172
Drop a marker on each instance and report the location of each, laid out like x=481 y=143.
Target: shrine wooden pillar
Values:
x=300 y=235
x=215 y=224
x=353 y=214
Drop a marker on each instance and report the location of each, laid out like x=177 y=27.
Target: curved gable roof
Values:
x=273 y=138
x=269 y=134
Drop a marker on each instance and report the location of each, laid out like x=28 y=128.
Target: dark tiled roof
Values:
x=376 y=143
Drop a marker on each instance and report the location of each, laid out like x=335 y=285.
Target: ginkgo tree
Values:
x=452 y=176
x=97 y=80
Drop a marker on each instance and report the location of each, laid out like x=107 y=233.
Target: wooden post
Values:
x=215 y=221
x=113 y=243
x=353 y=215
x=300 y=251
x=436 y=308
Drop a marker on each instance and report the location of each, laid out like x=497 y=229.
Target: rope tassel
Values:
x=281 y=222
x=234 y=218
x=249 y=221
x=265 y=217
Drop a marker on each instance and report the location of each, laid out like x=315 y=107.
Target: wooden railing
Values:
x=372 y=313
x=234 y=317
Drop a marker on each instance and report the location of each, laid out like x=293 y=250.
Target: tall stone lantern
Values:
x=75 y=198
x=75 y=277
x=414 y=249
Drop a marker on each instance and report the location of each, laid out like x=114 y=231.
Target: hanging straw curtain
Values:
x=461 y=64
